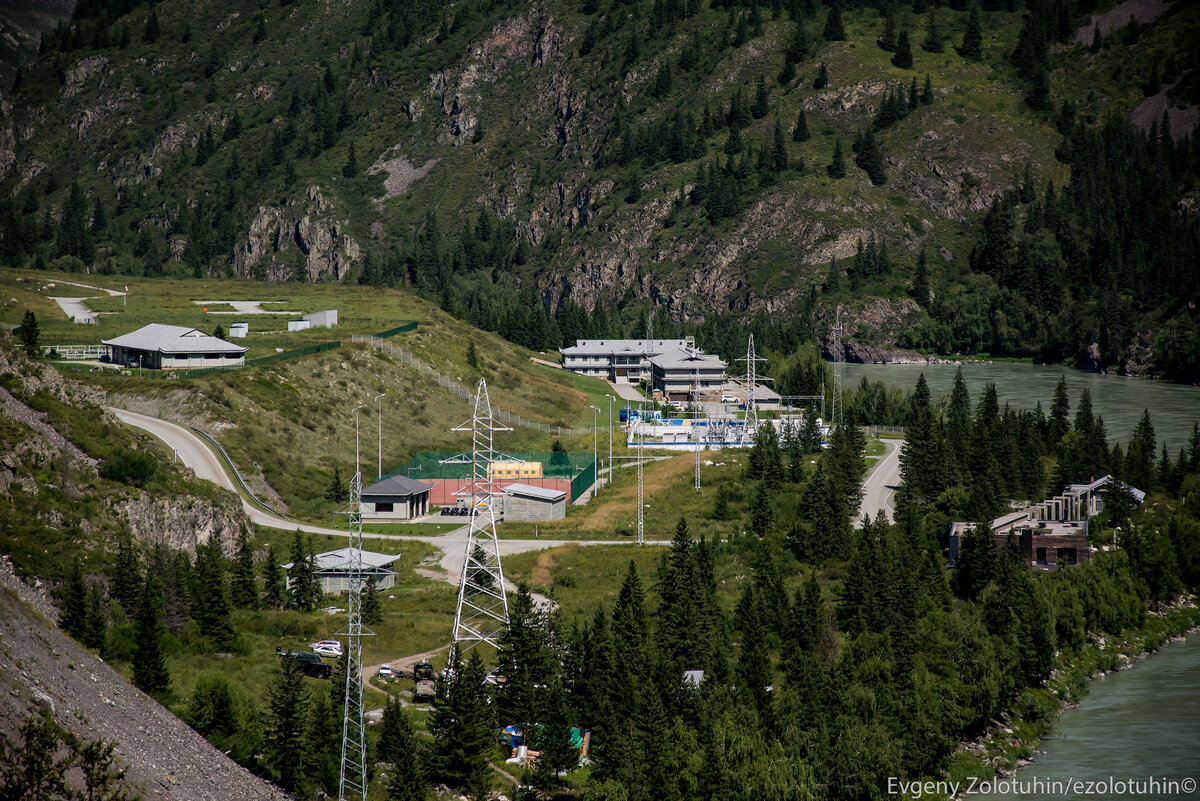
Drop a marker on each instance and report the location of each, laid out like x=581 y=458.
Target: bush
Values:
x=129 y=467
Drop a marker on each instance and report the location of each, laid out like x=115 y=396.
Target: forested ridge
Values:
x=699 y=160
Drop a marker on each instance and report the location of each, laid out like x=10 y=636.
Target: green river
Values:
x=1174 y=408
x=1138 y=726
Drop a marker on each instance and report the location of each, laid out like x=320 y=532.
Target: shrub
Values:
x=129 y=467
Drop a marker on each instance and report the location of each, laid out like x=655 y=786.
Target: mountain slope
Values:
x=501 y=155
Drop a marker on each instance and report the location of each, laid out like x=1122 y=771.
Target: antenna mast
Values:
x=839 y=356
x=352 y=783
x=695 y=417
x=482 y=611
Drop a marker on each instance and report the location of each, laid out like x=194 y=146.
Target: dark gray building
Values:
x=333 y=570
x=396 y=498
x=541 y=504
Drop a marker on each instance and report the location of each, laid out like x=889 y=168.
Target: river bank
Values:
x=1012 y=742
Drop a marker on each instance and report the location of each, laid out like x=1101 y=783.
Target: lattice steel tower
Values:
x=482 y=611
x=695 y=418
x=352 y=783
x=839 y=356
x=641 y=522
x=752 y=380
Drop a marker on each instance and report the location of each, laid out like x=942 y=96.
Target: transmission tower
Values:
x=695 y=419
x=752 y=380
x=482 y=611
x=839 y=356
x=641 y=492
x=352 y=783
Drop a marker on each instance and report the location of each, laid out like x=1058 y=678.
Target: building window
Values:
x=383 y=507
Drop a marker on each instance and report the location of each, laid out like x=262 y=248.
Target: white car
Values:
x=728 y=399
x=326 y=648
x=385 y=671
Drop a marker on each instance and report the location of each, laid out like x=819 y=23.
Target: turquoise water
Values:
x=1134 y=725
x=1174 y=408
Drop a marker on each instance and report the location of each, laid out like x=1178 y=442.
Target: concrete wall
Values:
x=520 y=508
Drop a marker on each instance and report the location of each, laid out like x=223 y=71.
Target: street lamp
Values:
x=610 y=403
x=379 y=403
x=595 y=447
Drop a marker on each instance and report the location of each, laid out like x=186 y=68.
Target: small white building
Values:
x=396 y=498
x=298 y=325
x=525 y=502
x=238 y=330
x=333 y=570
x=169 y=347
x=322 y=319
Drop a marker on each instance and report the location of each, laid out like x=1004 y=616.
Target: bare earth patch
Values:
x=401 y=173
x=1150 y=111
x=1141 y=10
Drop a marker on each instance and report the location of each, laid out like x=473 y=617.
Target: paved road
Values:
x=879 y=487
x=196 y=454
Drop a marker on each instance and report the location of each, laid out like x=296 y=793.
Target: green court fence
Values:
x=583 y=480
x=400 y=329
x=432 y=464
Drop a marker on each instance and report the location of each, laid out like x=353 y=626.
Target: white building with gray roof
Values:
x=621 y=361
x=396 y=498
x=672 y=373
x=167 y=347
x=333 y=569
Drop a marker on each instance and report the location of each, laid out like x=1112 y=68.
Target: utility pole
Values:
x=610 y=467
x=695 y=419
x=379 y=403
x=641 y=523
x=839 y=356
x=352 y=784
x=595 y=448
x=752 y=380
x=481 y=614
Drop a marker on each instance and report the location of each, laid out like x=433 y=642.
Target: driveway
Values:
x=879 y=487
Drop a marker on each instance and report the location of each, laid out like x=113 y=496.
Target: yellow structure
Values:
x=514 y=470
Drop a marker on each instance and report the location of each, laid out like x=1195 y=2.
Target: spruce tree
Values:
x=887 y=40
x=274 y=583
x=149 y=666
x=244 y=587
x=800 y=132
x=125 y=574
x=30 y=335
x=920 y=283
x=927 y=92
x=284 y=746
x=903 y=57
x=870 y=158
x=301 y=577
x=72 y=617
x=95 y=630
x=934 y=43
x=779 y=154
x=372 y=606
x=837 y=166
x=336 y=490
x=822 y=79
x=834 y=31
x=972 y=43
x=462 y=726
x=400 y=747
x=350 y=168
x=213 y=612
x=323 y=743
x=761 y=104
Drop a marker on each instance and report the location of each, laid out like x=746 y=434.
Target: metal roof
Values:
x=765 y=393
x=340 y=560
x=398 y=485
x=686 y=359
x=606 y=347
x=541 y=493
x=162 y=338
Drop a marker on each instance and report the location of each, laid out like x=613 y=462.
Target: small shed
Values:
x=333 y=570
x=322 y=319
x=298 y=325
x=526 y=502
x=238 y=330
x=766 y=398
x=396 y=498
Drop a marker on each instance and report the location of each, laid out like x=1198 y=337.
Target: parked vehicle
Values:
x=385 y=672
x=425 y=691
x=728 y=399
x=423 y=671
x=327 y=648
x=310 y=664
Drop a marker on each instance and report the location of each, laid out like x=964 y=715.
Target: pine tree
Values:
x=761 y=104
x=870 y=158
x=99 y=218
x=972 y=43
x=149 y=667
x=323 y=743
x=927 y=92
x=152 y=30
x=837 y=166
x=721 y=510
x=302 y=580
x=400 y=747
x=920 y=284
x=95 y=629
x=30 y=335
x=461 y=726
x=903 y=57
x=72 y=617
x=834 y=31
x=934 y=43
x=350 y=169
x=244 y=587
x=472 y=356
x=336 y=490
x=274 y=583
x=800 y=132
x=125 y=574
x=74 y=238
x=284 y=746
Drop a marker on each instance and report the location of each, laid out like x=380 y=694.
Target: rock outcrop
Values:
x=182 y=523
x=300 y=239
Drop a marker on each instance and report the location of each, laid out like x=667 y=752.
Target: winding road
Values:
x=879 y=487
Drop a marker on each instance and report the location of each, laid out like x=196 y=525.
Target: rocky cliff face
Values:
x=182 y=522
x=300 y=238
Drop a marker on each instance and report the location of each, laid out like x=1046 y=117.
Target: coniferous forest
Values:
x=1074 y=243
